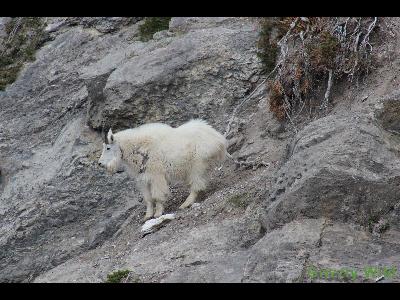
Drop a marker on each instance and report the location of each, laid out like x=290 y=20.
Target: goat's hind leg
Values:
x=189 y=200
x=197 y=183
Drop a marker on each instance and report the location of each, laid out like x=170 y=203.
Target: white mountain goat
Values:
x=156 y=154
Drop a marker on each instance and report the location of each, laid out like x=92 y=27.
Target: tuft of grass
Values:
x=117 y=276
x=239 y=200
x=372 y=220
x=152 y=25
x=375 y=224
x=24 y=35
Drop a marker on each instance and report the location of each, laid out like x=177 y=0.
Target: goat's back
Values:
x=173 y=142
x=207 y=141
x=147 y=131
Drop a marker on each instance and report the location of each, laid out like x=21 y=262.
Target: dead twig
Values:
x=253 y=164
x=328 y=90
x=371 y=27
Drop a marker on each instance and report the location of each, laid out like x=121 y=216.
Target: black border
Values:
x=250 y=291
x=197 y=8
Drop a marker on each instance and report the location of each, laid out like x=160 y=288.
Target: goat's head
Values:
x=111 y=156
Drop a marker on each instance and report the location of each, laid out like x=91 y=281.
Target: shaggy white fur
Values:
x=156 y=154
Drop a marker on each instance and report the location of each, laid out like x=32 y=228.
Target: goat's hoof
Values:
x=145 y=218
x=157 y=215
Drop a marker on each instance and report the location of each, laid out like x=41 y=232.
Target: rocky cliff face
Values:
x=328 y=197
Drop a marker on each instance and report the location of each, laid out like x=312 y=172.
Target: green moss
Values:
x=239 y=200
x=152 y=25
x=24 y=36
x=271 y=31
x=9 y=75
x=267 y=51
x=117 y=276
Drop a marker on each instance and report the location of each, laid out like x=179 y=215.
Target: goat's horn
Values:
x=104 y=134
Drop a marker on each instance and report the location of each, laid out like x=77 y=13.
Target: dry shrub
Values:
x=305 y=53
x=276 y=99
x=323 y=51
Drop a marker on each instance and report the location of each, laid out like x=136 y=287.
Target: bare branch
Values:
x=371 y=27
x=253 y=164
x=328 y=90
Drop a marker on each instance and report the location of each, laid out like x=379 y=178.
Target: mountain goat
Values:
x=157 y=154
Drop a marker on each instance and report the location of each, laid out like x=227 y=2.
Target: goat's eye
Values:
x=108 y=148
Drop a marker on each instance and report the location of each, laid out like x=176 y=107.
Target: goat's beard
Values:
x=113 y=166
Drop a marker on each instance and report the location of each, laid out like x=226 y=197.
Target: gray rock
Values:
x=338 y=168
x=320 y=250
x=105 y=24
x=280 y=256
x=151 y=83
x=184 y=24
x=49 y=157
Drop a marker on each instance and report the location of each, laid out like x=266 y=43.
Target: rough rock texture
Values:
x=55 y=202
x=206 y=70
x=101 y=24
x=328 y=198
x=347 y=157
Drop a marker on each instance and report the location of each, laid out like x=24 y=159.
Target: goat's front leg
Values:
x=159 y=192
x=149 y=203
x=159 y=209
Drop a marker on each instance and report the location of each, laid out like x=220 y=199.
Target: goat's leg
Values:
x=149 y=210
x=198 y=182
x=159 y=209
x=149 y=203
x=189 y=200
x=159 y=192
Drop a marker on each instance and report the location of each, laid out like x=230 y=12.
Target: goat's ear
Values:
x=110 y=137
